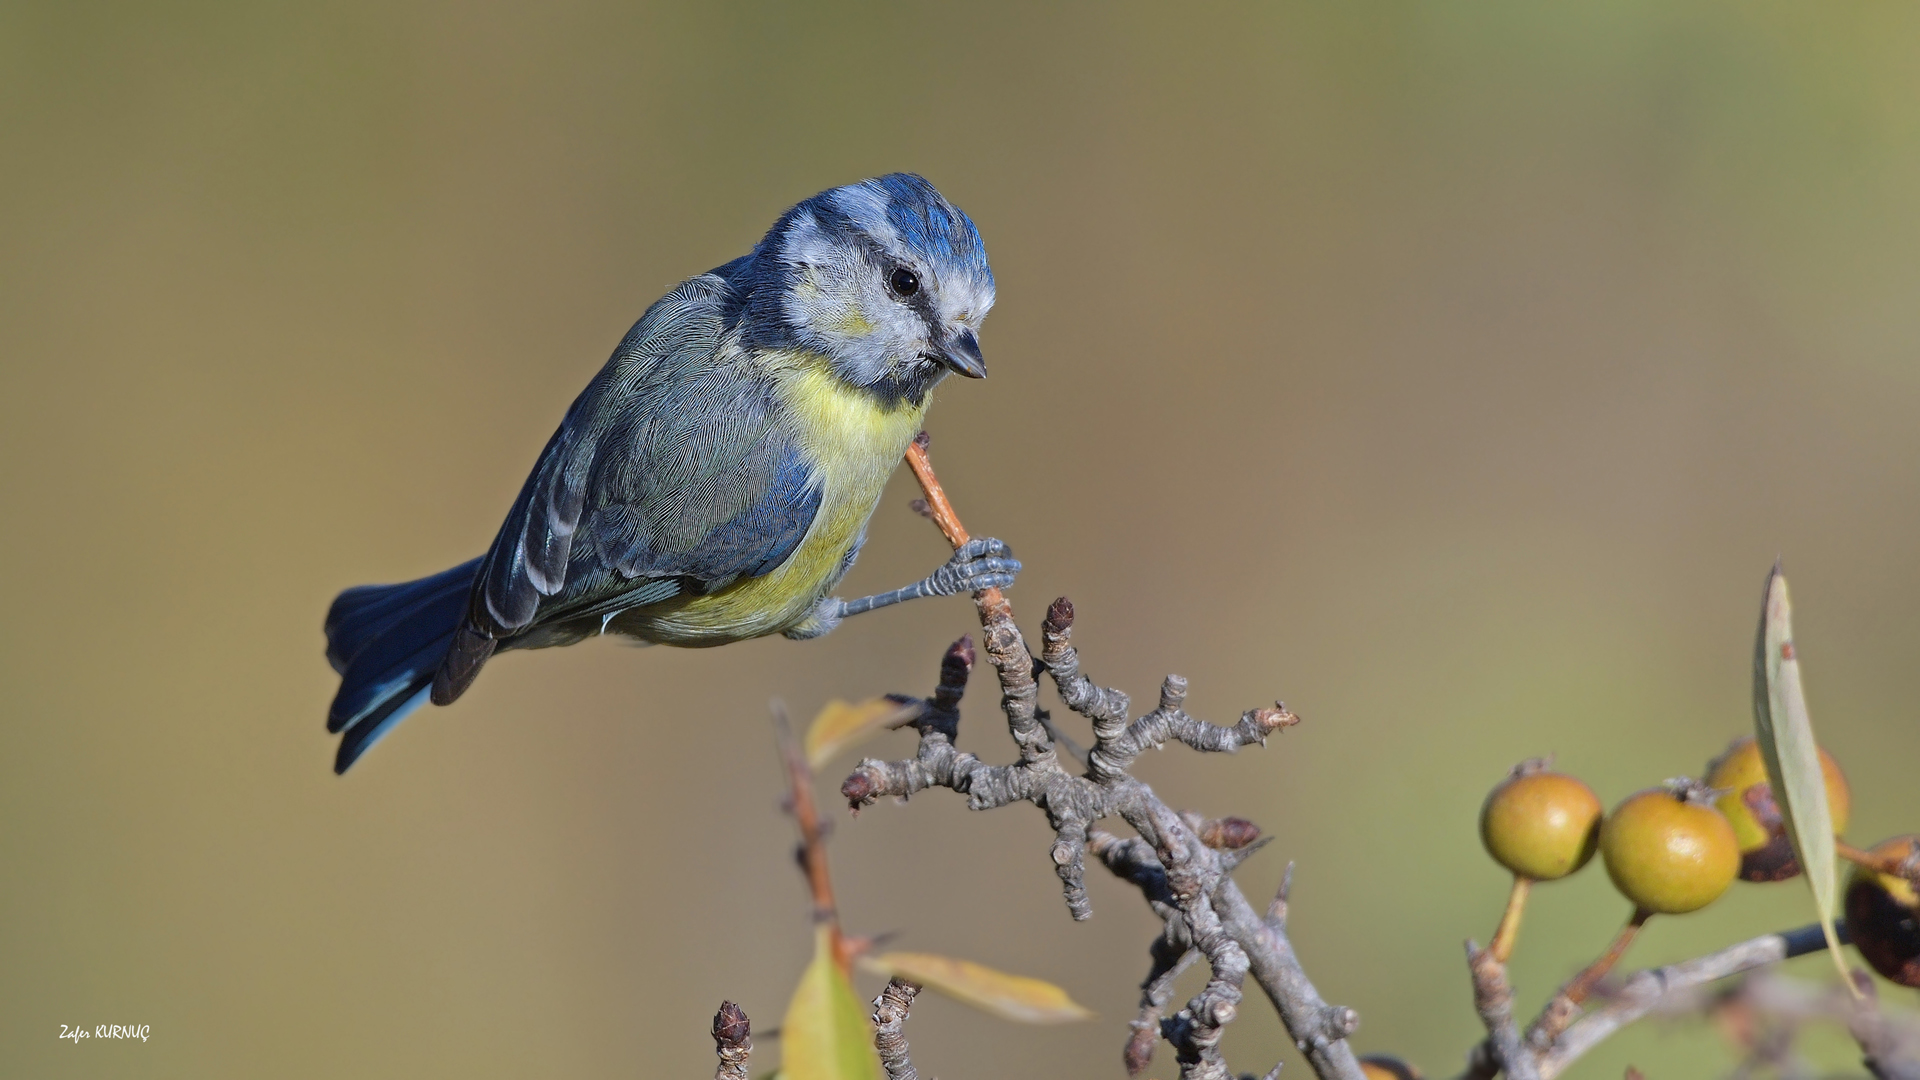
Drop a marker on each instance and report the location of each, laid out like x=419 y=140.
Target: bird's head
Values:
x=885 y=278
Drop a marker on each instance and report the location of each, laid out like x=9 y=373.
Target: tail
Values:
x=386 y=641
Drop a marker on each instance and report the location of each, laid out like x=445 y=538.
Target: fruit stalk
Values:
x=1583 y=983
x=1560 y=1012
x=1895 y=863
x=1509 y=930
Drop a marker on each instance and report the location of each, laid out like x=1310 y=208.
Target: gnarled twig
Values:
x=1192 y=883
x=890 y=1011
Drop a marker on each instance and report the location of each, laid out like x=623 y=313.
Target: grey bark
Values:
x=890 y=1011
x=1182 y=866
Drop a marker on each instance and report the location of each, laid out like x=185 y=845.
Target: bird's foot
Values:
x=978 y=564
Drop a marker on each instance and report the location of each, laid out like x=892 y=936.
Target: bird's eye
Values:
x=903 y=282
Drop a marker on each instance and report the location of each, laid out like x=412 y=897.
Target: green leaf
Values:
x=1785 y=734
x=826 y=1035
x=841 y=725
x=1010 y=997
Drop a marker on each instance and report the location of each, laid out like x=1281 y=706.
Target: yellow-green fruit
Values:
x=1541 y=825
x=1387 y=1067
x=1883 y=916
x=1767 y=855
x=1668 y=855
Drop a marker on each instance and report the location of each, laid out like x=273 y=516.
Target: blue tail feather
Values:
x=360 y=738
x=359 y=616
x=386 y=641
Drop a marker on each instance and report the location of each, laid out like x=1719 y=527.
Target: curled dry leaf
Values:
x=840 y=725
x=1010 y=997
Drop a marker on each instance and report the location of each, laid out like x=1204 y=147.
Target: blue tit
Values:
x=713 y=483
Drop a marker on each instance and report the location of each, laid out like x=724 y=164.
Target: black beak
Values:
x=962 y=354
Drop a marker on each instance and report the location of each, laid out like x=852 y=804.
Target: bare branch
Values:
x=890 y=1012
x=1655 y=989
x=1168 y=723
x=813 y=834
x=1107 y=709
x=1182 y=868
x=1493 y=1000
x=1890 y=1053
x=1172 y=954
x=1319 y=1030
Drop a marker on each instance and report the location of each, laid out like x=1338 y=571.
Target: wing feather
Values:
x=671 y=473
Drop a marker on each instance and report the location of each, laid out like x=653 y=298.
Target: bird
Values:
x=713 y=483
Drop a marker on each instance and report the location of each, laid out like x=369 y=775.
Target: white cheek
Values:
x=892 y=334
x=902 y=330
x=864 y=330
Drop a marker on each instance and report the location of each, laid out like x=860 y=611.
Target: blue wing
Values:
x=671 y=473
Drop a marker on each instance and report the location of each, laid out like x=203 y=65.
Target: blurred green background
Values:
x=1452 y=371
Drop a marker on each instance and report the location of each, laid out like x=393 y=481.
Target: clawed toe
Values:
x=980 y=548
x=986 y=563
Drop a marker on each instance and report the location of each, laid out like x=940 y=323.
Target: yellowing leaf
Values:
x=1010 y=997
x=1785 y=734
x=841 y=725
x=826 y=1035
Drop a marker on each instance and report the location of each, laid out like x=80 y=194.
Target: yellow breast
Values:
x=853 y=441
